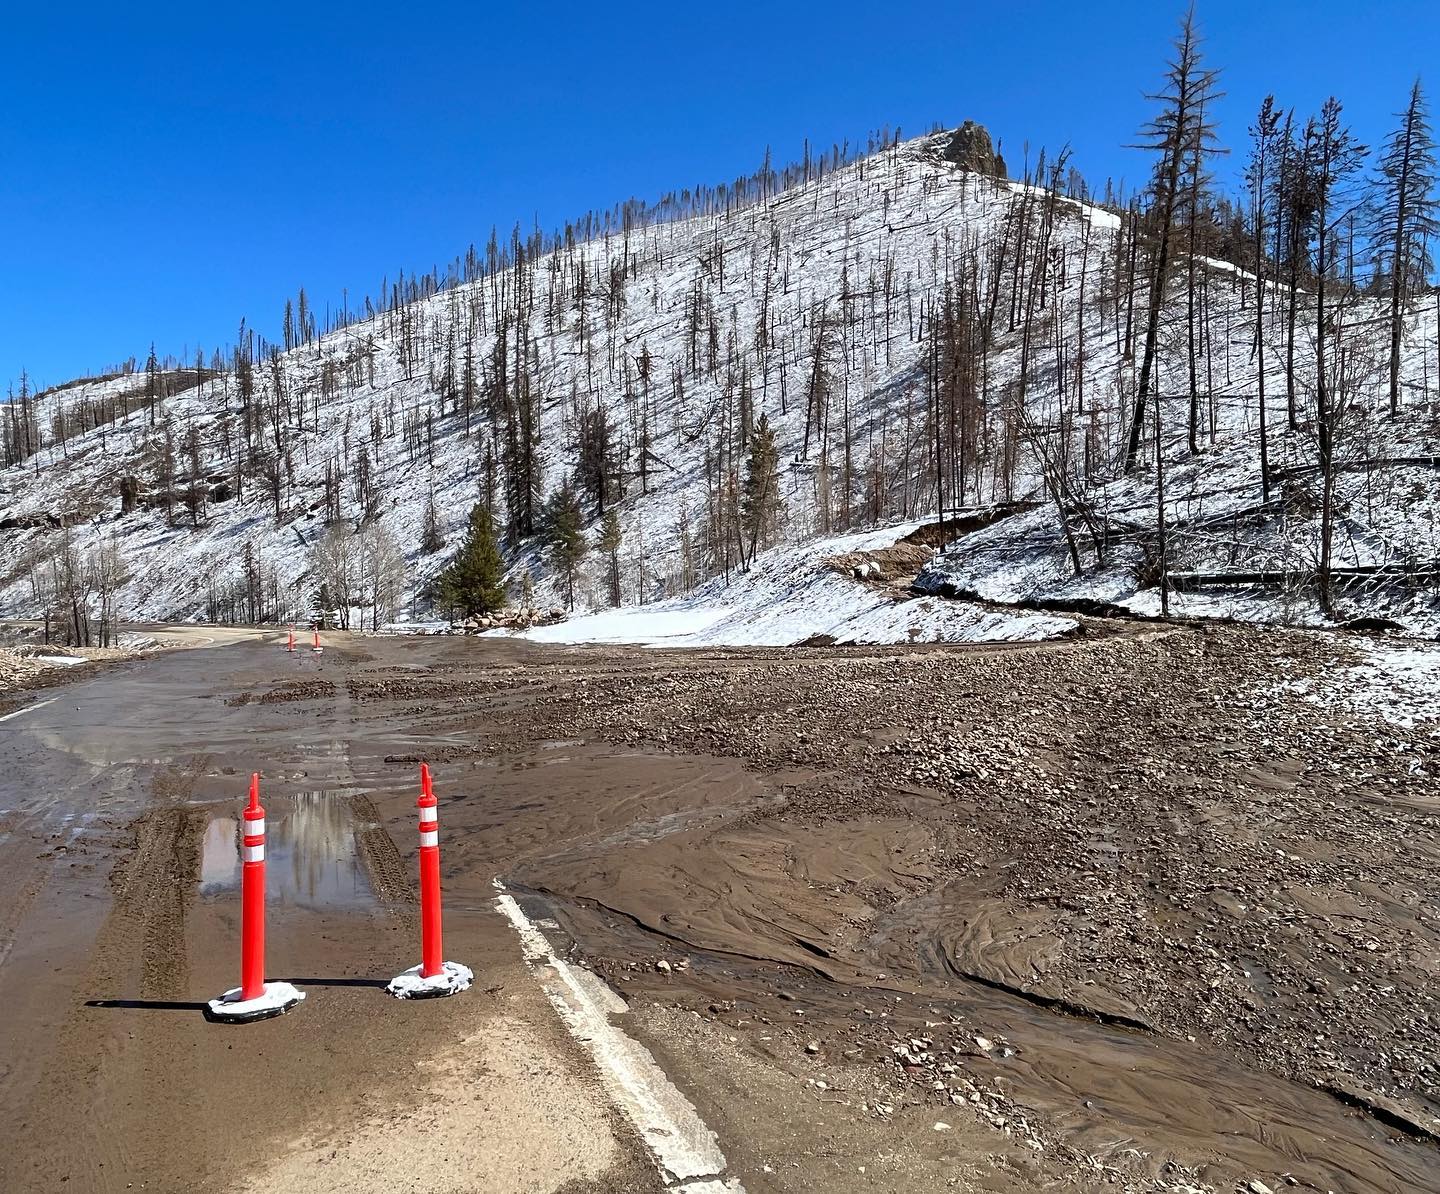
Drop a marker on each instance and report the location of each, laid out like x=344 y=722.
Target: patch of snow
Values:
x=791 y=595
x=452 y=979
x=1394 y=681
x=666 y=624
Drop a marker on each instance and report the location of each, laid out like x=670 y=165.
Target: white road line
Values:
x=28 y=709
x=683 y=1147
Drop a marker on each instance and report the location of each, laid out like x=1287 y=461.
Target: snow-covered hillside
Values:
x=810 y=308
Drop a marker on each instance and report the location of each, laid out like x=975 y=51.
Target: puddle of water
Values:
x=219 y=856
x=310 y=854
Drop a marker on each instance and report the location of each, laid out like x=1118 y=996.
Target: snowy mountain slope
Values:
x=721 y=313
x=1390 y=520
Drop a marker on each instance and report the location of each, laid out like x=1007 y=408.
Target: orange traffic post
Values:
x=290 y=642
x=317 y=648
x=434 y=976
x=254 y=998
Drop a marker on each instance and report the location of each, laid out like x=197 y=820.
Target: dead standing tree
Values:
x=1173 y=134
x=1264 y=132
x=1406 y=218
x=1337 y=155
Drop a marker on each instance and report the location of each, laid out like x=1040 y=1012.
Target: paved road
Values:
x=118 y=918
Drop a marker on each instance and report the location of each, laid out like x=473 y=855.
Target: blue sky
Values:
x=168 y=169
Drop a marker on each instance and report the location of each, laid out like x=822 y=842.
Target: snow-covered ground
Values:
x=1393 y=682
x=792 y=595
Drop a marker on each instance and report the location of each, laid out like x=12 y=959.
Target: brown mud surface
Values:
x=1106 y=895
x=1118 y=913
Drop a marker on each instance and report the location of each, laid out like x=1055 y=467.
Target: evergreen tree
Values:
x=321 y=603
x=760 y=504
x=195 y=489
x=595 y=457
x=565 y=535
x=610 y=548
x=152 y=383
x=474 y=583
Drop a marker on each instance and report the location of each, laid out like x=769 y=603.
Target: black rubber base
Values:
x=264 y=1013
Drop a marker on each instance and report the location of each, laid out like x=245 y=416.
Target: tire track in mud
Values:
x=17 y=909
x=139 y=952
x=386 y=870
x=153 y=889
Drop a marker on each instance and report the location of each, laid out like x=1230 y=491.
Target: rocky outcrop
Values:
x=969 y=148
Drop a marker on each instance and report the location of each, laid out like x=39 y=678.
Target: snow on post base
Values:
x=452 y=979
x=275 y=1000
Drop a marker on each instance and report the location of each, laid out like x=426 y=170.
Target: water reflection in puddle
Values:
x=309 y=850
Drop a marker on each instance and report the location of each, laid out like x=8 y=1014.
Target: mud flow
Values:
x=1097 y=910
x=1132 y=934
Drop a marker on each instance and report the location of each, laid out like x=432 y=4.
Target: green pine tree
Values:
x=321 y=603
x=610 y=549
x=474 y=583
x=565 y=535
x=431 y=537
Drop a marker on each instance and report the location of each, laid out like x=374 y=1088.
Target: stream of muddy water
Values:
x=849 y=921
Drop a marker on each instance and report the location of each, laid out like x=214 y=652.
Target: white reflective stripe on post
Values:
x=254 y=853
x=431 y=838
x=254 y=828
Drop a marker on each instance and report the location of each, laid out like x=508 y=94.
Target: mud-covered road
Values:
x=1126 y=912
